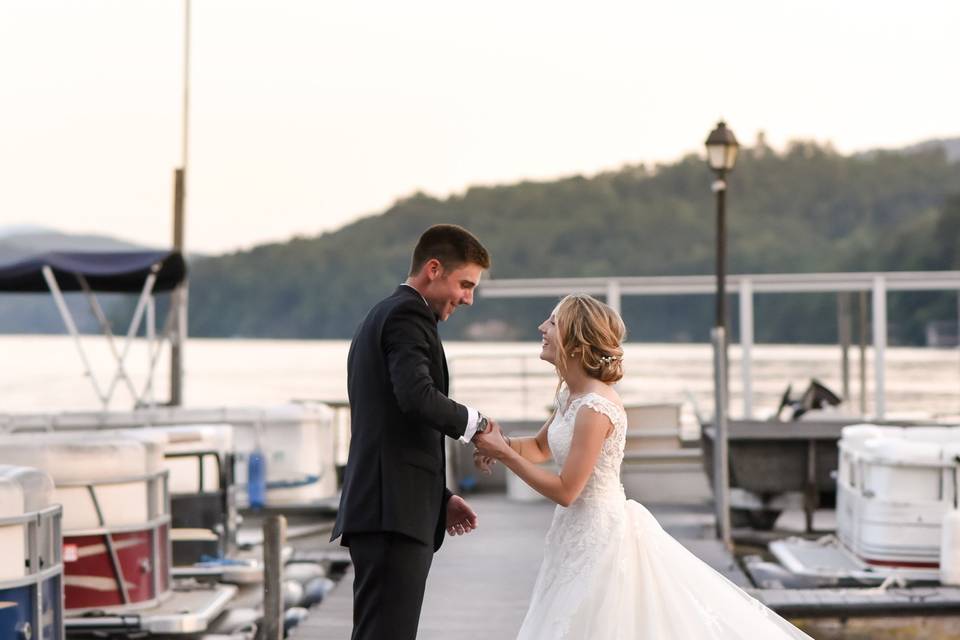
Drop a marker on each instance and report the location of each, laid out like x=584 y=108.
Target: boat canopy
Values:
x=104 y=271
x=146 y=273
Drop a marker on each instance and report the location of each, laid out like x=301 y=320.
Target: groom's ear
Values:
x=433 y=268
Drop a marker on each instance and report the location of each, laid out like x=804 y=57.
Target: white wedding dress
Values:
x=610 y=572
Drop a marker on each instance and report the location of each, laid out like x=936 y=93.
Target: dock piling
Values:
x=274 y=539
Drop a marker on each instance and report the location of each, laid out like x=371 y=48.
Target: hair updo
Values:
x=590 y=333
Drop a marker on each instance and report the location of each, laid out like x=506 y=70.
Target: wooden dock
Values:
x=480 y=583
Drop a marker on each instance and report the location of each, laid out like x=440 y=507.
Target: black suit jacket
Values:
x=400 y=412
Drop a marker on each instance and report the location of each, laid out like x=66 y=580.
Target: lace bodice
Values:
x=605 y=479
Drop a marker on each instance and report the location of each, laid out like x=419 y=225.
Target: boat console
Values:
x=894 y=486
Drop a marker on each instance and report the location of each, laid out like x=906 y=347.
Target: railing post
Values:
x=613 y=294
x=843 y=335
x=879 y=344
x=746 y=344
x=862 y=331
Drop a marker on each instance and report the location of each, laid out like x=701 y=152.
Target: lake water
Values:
x=506 y=380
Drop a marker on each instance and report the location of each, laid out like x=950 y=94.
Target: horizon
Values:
x=305 y=118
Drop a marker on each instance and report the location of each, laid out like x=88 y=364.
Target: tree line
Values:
x=806 y=208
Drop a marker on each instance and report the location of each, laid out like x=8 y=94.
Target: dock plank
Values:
x=934 y=600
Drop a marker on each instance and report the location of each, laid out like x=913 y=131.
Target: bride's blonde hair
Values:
x=590 y=333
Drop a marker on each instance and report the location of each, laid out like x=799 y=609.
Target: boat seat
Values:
x=22 y=491
x=117 y=465
x=856 y=434
x=935 y=434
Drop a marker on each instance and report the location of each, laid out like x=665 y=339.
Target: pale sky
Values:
x=306 y=115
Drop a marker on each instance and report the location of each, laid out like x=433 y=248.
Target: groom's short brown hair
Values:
x=452 y=245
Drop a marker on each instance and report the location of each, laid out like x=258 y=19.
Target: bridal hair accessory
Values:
x=609 y=359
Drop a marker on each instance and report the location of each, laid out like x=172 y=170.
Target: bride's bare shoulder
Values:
x=608 y=392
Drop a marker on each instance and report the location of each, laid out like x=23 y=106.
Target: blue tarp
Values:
x=107 y=271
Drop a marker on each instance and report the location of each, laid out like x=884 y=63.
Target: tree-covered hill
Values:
x=806 y=209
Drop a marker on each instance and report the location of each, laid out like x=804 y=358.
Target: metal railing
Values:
x=516 y=376
x=158 y=516
x=746 y=286
x=43 y=560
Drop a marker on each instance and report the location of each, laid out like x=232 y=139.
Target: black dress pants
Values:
x=390 y=573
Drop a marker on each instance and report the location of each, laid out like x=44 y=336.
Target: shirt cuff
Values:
x=473 y=417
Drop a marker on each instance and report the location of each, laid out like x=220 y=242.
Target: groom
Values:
x=395 y=506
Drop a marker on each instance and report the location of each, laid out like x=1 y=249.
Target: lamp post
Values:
x=722 y=150
x=721 y=156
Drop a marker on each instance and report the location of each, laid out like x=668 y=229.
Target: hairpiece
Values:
x=609 y=359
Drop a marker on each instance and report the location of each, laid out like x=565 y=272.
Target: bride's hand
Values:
x=492 y=444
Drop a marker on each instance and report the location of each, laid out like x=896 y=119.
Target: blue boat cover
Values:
x=107 y=271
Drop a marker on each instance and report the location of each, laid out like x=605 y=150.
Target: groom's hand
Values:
x=461 y=518
x=485 y=426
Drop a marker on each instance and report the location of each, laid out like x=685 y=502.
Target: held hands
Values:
x=481 y=460
x=461 y=518
x=491 y=445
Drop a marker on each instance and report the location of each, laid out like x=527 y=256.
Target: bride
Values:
x=609 y=571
